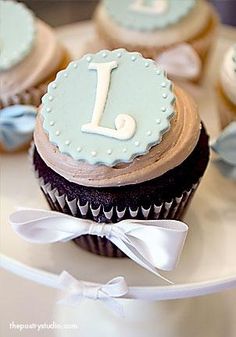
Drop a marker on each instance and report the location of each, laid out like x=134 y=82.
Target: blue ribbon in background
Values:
x=17 y=124
x=225 y=147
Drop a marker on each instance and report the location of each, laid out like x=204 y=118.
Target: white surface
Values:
x=24 y=302
x=209 y=255
x=207 y=316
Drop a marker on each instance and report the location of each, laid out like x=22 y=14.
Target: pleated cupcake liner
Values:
x=173 y=209
x=28 y=97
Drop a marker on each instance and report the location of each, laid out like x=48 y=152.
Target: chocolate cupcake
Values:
x=115 y=140
x=179 y=35
x=226 y=88
x=30 y=55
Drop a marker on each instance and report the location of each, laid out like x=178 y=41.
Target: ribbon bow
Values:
x=150 y=243
x=75 y=291
x=181 y=61
x=16 y=125
x=225 y=147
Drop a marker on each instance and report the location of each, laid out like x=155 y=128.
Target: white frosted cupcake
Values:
x=226 y=88
x=178 y=35
x=30 y=55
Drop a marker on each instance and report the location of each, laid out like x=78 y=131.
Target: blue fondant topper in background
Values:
x=148 y=15
x=17 y=33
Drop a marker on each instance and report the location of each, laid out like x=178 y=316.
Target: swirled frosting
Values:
x=228 y=74
x=181 y=31
x=175 y=147
x=38 y=65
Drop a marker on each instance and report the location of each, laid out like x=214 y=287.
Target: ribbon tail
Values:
x=67 y=285
x=134 y=255
x=113 y=305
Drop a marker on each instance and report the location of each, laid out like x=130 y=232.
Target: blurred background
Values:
x=61 y=12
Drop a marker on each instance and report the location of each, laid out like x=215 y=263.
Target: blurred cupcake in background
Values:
x=30 y=55
x=178 y=34
x=226 y=88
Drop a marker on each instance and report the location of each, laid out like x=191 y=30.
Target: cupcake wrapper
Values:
x=173 y=209
x=29 y=97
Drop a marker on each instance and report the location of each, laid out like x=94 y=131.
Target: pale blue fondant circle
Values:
x=137 y=88
x=17 y=33
x=121 y=12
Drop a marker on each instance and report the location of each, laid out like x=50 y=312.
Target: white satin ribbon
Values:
x=181 y=61
x=75 y=291
x=150 y=243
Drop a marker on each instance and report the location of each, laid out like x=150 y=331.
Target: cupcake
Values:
x=178 y=36
x=30 y=55
x=226 y=88
x=114 y=140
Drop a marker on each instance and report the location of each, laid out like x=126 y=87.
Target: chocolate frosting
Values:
x=175 y=147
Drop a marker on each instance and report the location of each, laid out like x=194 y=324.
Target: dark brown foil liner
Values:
x=173 y=209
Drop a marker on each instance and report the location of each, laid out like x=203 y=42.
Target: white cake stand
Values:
x=207 y=264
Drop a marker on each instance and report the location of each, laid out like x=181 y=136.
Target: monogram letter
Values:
x=125 y=124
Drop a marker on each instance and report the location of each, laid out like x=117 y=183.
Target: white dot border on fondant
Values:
x=167 y=111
